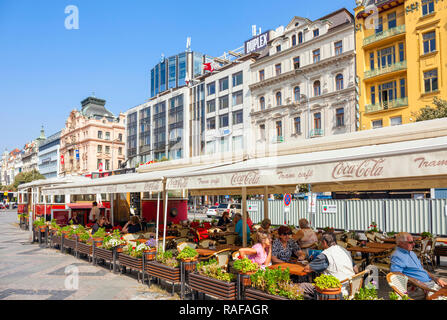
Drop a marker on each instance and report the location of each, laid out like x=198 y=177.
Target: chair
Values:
x=355 y=282
x=183 y=245
x=399 y=283
x=427 y=252
x=236 y=255
x=382 y=262
x=352 y=243
x=206 y=243
x=223 y=258
x=371 y=237
x=342 y=244
x=231 y=238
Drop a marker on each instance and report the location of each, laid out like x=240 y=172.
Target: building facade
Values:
x=92 y=140
x=49 y=164
x=401 y=56
x=304 y=85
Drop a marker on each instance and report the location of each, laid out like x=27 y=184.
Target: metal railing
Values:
x=384 y=34
x=397 y=103
x=278 y=139
x=391 y=68
x=316 y=133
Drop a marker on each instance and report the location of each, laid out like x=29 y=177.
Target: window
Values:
x=429 y=42
x=223 y=84
x=377 y=124
x=317 y=88
x=262 y=131
x=371 y=61
x=262 y=103
x=297 y=125
x=316 y=32
x=294 y=40
x=386 y=57
x=210 y=147
x=296 y=62
x=211 y=88
x=223 y=102
x=278 y=69
x=261 y=75
x=120 y=151
x=238 y=117
x=107 y=167
x=237 y=79
x=317 y=120
x=98 y=163
x=340 y=117
x=387 y=92
x=107 y=135
x=402 y=88
x=99 y=134
x=211 y=123
x=392 y=20
x=316 y=55
x=238 y=98
x=278 y=48
x=338 y=47
x=278 y=99
x=296 y=94
x=238 y=143
x=223 y=121
x=401 y=52
x=395 y=121
x=373 y=95
x=300 y=37
x=107 y=149
x=211 y=106
x=224 y=144
x=119 y=164
x=99 y=149
x=431 y=80
x=339 y=82
x=428 y=6
x=120 y=137
x=279 y=128
x=379 y=27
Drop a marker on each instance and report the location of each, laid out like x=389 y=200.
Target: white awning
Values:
x=417 y=158
x=53 y=181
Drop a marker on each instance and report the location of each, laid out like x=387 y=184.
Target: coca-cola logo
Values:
x=245 y=178
x=151 y=186
x=178 y=183
x=366 y=169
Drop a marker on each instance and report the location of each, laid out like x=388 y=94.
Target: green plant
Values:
x=101 y=233
x=426 y=235
x=167 y=258
x=84 y=237
x=394 y=296
x=391 y=234
x=327 y=282
x=112 y=241
x=187 y=253
x=328 y=229
x=135 y=251
x=245 y=265
x=277 y=282
x=369 y=292
x=39 y=222
x=211 y=269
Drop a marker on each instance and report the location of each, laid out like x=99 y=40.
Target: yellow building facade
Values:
x=401 y=59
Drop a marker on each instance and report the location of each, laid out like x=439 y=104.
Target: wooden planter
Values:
x=218 y=289
x=105 y=254
x=161 y=271
x=70 y=242
x=130 y=262
x=255 y=294
x=328 y=294
x=190 y=264
x=55 y=239
x=150 y=255
x=84 y=248
x=246 y=278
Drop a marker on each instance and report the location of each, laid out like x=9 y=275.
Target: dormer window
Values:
x=316 y=32
x=278 y=48
x=294 y=40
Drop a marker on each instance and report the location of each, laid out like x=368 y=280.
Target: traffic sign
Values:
x=312 y=203
x=287 y=199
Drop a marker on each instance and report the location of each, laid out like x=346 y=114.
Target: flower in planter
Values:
x=151 y=243
x=373 y=227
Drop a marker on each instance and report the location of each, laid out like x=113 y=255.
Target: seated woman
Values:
x=284 y=247
x=265 y=226
x=305 y=237
x=101 y=223
x=261 y=252
x=74 y=219
x=225 y=219
x=133 y=226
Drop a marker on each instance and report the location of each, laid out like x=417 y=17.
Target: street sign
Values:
x=329 y=208
x=312 y=203
x=287 y=199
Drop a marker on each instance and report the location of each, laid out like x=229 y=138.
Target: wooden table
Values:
x=228 y=246
x=440 y=293
x=296 y=269
x=387 y=246
x=441 y=240
x=205 y=252
x=367 y=251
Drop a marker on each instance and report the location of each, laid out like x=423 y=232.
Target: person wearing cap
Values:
x=284 y=247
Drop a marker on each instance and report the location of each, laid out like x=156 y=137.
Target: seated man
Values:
x=405 y=261
x=101 y=223
x=334 y=260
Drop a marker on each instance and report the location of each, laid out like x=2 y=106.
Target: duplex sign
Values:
x=257 y=43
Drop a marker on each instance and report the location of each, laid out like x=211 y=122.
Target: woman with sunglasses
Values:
x=284 y=247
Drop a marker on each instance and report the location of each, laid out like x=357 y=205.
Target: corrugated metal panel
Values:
x=360 y=214
x=408 y=215
x=334 y=220
x=439 y=216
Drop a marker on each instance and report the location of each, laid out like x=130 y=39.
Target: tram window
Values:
x=59 y=199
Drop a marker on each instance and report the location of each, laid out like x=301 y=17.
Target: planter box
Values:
x=70 y=243
x=159 y=270
x=55 y=239
x=130 y=262
x=218 y=289
x=84 y=248
x=255 y=294
x=101 y=253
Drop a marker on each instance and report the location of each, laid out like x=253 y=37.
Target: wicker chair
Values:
x=342 y=244
x=206 y=243
x=426 y=254
x=231 y=238
x=355 y=282
x=235 y=255
x=399 y=283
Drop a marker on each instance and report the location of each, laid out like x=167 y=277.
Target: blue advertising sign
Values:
x=77 y=154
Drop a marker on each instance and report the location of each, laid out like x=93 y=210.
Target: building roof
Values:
x=94 y=107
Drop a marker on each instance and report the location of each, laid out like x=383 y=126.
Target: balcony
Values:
x=316 y=133
x=277 y=139
x=384 y=34
x=402 y=102
x=391 y=68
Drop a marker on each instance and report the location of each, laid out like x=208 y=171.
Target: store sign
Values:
x=252 y=207
x=330 y=208
x=77 y=154
x=257 y=43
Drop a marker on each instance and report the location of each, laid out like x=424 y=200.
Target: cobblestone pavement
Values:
x=29 y=272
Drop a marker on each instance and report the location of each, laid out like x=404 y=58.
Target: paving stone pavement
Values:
x=29 y=272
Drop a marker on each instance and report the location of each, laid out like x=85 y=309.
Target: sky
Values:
x=46 y=70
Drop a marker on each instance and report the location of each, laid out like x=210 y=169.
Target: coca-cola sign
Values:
x=370 y=168
x=245 y=178
x=178 y=183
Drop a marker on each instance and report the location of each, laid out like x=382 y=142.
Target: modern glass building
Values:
x=49 y=156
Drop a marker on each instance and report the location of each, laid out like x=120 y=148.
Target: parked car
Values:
x=212 y=212
x=232 y=207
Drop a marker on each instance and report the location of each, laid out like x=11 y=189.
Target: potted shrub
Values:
x=188 y=255
x=369 y=292
x=165 y=267
x=426 y=235
x=373 y=228
x=246 y=268
x=84 y=244
x=151 y=252
x=273 y=284
x=327 y=285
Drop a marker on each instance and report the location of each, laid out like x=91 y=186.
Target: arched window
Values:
x=339 y=81
x=278 y=99
x=296 y=93
x=294 y=40
x=262 y=103
x=300 y=37
x=317 y=88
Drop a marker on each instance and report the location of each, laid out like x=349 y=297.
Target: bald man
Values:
x=405 y=261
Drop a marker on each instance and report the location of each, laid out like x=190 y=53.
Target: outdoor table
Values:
x=367 y=251
x=205 y=252
x=441 y=240
x=232 y=247
x=440 y=293
x=295 y=269
x=387 y=246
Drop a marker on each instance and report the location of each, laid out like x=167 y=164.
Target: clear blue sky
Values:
x=46 y=70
